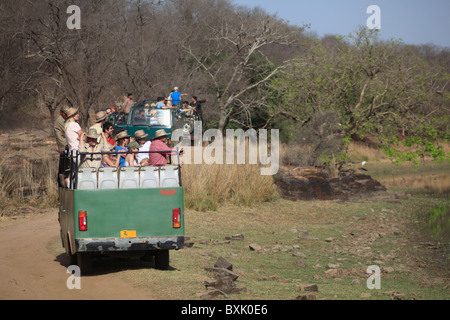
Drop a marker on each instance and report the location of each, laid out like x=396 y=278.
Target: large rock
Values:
x=314 y=184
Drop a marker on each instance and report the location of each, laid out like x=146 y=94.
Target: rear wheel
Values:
x=162 y=259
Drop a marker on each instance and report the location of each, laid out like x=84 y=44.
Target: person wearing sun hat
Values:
x=92 y=146
x=122 y=140
x=163 y=151
x=100 y=119
x=59 y=129
x=141 y=137
x=72 y=129
x=130 y=160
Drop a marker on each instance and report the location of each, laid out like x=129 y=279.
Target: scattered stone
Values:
x=329 y=239
x=333 y=266
x=221 y=242
x=224 y=282
x=226 y=285
x=365 y=295
x=188 y=244
x=305 y=236
x=356 y=281
x=236 y=237
x=299 y=263
x=211 y=294
x=255 y=247
x=310 y=288
x=332 y=273
x=222 y=263
x=389 y=269
x=223 y=273
x=299 y=255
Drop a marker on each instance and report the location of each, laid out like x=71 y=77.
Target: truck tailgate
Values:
x=133 y=213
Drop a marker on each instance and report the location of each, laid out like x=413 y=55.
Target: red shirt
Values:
x=111 y=141
x=159 y=159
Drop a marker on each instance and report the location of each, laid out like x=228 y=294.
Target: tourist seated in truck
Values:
x=187 y=110
x=122 y=140
x=160 y=104
x=108 y=129
x=92 y=146
x=153 y=117
x=141 y=137
x=130 y=159
x=162 y=150
x=139 y=117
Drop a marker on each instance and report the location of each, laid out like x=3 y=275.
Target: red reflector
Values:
x=176 y=218
x=82 y=220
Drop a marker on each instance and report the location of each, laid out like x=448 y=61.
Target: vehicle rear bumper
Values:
x=130 y=244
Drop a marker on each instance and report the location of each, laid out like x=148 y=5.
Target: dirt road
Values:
x=29 y=271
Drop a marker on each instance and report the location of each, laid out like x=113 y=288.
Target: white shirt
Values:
x=72 y=135
x=144 y=148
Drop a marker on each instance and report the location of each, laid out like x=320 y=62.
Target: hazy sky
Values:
x=414 y=21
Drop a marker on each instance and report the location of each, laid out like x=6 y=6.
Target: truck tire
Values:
x=84 y=262
x=162 y=260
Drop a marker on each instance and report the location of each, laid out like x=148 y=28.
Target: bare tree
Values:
x=232 y=58
x=82 y=59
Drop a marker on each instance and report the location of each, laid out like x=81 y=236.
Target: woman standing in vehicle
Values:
x=73 y=130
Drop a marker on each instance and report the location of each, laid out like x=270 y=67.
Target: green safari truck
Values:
x=120 y=212
x=145 y=116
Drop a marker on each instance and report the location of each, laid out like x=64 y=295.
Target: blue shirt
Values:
x=160 y=105
x=122 y=160
x=175 y=97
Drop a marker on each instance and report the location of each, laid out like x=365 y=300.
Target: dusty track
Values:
x=29 y=271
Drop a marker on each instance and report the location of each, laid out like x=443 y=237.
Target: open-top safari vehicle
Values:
x=125 y=212
x=145 y=116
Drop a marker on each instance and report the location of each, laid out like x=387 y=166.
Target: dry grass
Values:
x=358 y=151
x=209 y=186
x=31 y=183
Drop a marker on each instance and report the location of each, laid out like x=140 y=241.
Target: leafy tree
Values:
x=377 y=87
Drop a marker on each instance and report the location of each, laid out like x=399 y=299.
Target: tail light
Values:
x=176 y=218
x=82 y=220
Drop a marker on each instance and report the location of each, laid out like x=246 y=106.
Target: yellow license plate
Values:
x=128 y=234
